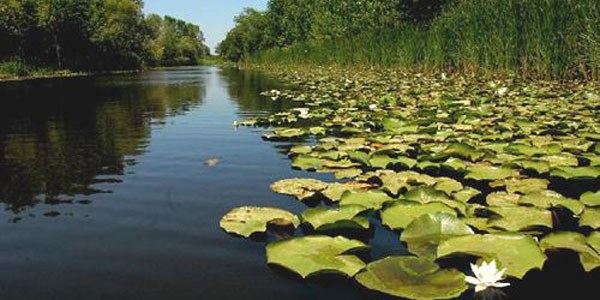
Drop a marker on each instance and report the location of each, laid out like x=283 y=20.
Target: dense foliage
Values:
x=94 y=35
x=535 y=38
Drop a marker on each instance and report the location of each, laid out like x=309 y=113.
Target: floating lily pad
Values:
x=590 y=218
x=313 y=255
x=577 y=173
x=345 y=217
x=517 y=253
x=307 y=163
x=402 y=213
x=590 y=259
x=245 y=221
x=483 y=172
x=369 y=199
x=426 y=232
x=412 y=278
x=518 y=218
x=396 y=182
x=591 y=199
x=549 y=199
x=523 y=186
x=301 y=188
x=284 y=134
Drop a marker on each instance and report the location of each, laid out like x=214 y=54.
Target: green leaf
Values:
x=425 y=233
x=412 y=278
x=483 y=172
x=425 y=194
x=313 y=255
x=245 y=221
x=549 y=199
x=396 y=182
x=402 y=213
x=370 y=199
x=574 y=241
x=307 y=163
x=576 y=173
x=518 y=218
x=590 y=218
x=523 y=186
x=360 y=157
x=348 y=216
x=591 y=199
x=301 y=188
x=517 y=253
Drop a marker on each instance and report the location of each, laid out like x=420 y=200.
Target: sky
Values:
x=215 y=17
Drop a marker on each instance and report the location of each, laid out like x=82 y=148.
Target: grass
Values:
x=534 y=38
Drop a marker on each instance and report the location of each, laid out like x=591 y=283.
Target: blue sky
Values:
x=215 y=17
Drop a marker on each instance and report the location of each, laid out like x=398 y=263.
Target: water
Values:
x=107 y=195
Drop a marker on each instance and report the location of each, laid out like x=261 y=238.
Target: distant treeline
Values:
x=94 y=35
x=535 y=38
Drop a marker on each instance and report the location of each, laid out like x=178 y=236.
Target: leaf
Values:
x=425 y=233
x=395 y=182
x=369 y=199
x=412 y=278
x=518 y=218
x=517 y=253
x=591 y=199
x=424 y=194
x=402 y=213
x=349 y=216
x=301 y=188
x=313 y=255
x=550 y=199
x=307 y=163
x=462 y=151
x=590 y=218
x=574 y=241
x=576 y=173
x=245 y=221
x=523 y=186
x=335 y=191
x=360 y=157
x=483 y=172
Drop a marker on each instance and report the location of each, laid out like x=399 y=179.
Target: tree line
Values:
x=286 y=22
x=533 y=38
x=95 y=35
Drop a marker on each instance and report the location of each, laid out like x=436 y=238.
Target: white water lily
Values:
x=487 y=275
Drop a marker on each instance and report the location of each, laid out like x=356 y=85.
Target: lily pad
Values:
x=517 y=253
x=301 y=188
x=577 y=173
x=245 y=221
x=307 y=163
x=483 y=172
x=518 y=218
x=549 y=199
x=523 y=186
x=591 y=199
x=313 y=255
x=590 y=218
x=412 y=278
x=345 y=217
x=369 y=199
x=425 y=233
x=590 y=259
x=402 y=213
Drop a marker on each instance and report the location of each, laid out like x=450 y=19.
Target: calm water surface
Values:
x=106 y=196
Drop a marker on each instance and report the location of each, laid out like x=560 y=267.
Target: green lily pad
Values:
x=518 y=218
x=313 y=255
x=591 y=199
x=425 y=194
x=284 y=134
x=426 y=232
x=483 y=172
x=300 y=150
x=517 y=253
x=307 y=163
x=301 y=188
x=549 y=199
x=455 y=164
x=590 y=259
x=590 y=218
x=523 y=186
x=448 y=185
x=576 y=173
x=503 y=199
x=412 y=278
x=369 y=199
x=360 y=157
x=335 y=191
x=348 y=216
x=462 y=151
x=466 y=194
x=245 y=221
x=396 y=182
x=402 y=213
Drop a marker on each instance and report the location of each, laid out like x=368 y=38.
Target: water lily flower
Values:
x=502 y=91
x=487 y=275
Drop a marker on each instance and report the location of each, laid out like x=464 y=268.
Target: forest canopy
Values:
x=95 y=35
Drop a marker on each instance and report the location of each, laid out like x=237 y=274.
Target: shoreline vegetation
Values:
x=62 y=38
x=533 y=39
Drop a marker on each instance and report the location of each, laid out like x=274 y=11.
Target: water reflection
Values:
x=60 y=137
